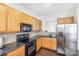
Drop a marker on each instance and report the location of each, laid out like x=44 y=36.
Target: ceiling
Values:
x=43 y=9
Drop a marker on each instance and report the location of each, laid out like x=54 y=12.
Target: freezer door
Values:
x=60 y=39
x=71 y=32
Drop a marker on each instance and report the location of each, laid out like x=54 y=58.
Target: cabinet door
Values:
x=66 y=20
x=18 y=52
x=34 y=24
x=69 y=20
x=13 y=20
x=30 y=21
x=46 y=42
x=38 y=44
x=25 y=18
x=40 y=26
x=53 y=43
x=2 y=18
x=61 y=21
x=37 y=25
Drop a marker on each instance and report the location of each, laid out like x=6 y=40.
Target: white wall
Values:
x=50 y=26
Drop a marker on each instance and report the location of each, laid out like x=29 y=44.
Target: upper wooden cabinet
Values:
x=30 y=20
x=34 y=24
x=25 y=18
x=13 y=20
x=69 y=20
x=66 y=20
x=37 y=25
x=2 y=18
x=10 y=20
x=61 y=21
x=40 y=25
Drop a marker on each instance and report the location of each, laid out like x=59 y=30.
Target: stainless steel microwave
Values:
x=25 y=27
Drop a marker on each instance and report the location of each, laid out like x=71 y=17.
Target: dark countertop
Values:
x=10 y=47
x=45 y=36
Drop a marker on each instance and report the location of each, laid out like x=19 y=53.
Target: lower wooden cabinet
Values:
x=49 y=43
x=38 y=44
x=46 y=42
x=18 y=52
x=53 y=43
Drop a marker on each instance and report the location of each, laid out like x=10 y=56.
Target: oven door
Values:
x=31 y=49
x=25 y=27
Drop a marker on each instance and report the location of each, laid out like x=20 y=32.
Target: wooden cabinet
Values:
x=38 y=44
x=2 y=18
x=25 y=18
x=69 y=20
x=37 y=25
x=66 y=20
x=18 y=52
x=49 y=43
x=30 y=20
x=53 y=43
x=40 y=25
x=46 y=42
x=10 y=20
x=61 y=21
x=13 y=20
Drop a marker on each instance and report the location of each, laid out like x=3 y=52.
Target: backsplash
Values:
x=11 y=37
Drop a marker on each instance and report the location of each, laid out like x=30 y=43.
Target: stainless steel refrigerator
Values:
x=67 y=39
